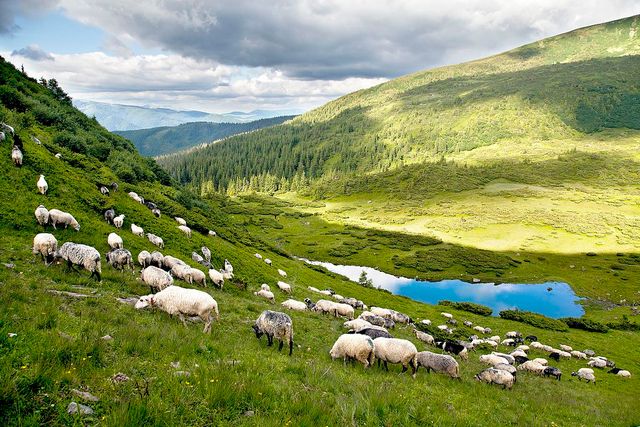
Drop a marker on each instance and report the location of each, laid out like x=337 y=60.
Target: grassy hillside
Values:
x=170 y=139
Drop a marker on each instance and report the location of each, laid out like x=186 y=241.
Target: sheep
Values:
x=310 y=304
x=144 y=259
x=566 y=348
x=513 y=334
x=597 y=363
x=541 y=361
x=114 y=241
x=197 y=257
x=468 y=323
x=508 y=368
x=337 y=297
x=447 y=315
x=589 y=352
x=227 y=266
x=119 y=258
x=265 y=287
x=114 y=186
x=441 y=363
x=345 y=310
x=523 y=347
x=267 y=261
x=496 y=376
x=138 y=231
x=135 y=197
x=157 y=259
x=104 y=190
x=532 y=366
x=354 y=346
x=285 y=287
x=313 y=289
x=325 y=306
x=212 y=233
x=169 y=262
x=578 y=354
x=46 y=245
x=424 y=337
x=2 y=136
x=492 y=359
x=454 y=348
x=326 y=292
x=398 y=317
x=207 y=253
x=156 y=212
x=396 y=350
x=479 y=329
x=42 y=215
x=531 y=338
x=193 y=275
x=620 y=372
x=585 y=374
x=292 y=304
x=355 y=303
x=495 y=339
x=180 y=221
x=109 y=215
x=58 y=155
x=16 y=156
x=266 y=294
x=382 y=312
x=518 y=353
x=510 y=359
x=216 y=277
x=183 y=302
x=426 y=322
x=186 y=230
x=356 y=324
x=118 y=221
x=551 y=371
x=6 y=128
x=509 y=342
x=487 y=330
x=282 y=273
x=156 y=240
x=275 y=324
x=180 y=271
x=373 y=333
x=156 y=278
x=58 y=217
x=257 y=255
x=79 y=254
x=521 y=359
x=377 y=320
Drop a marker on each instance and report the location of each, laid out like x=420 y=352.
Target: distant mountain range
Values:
x=170 y=139
x=131 y=117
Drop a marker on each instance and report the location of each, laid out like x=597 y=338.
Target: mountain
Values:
x=169 y=139
x=560 y=91
x=130 y=117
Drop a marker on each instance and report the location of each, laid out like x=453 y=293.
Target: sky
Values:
x=242 y=55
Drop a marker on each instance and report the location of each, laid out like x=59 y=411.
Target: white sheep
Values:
x=227 y=266
x=496 y=376
x=183 y=302
x=284 y=287
x=326 y=292
x=42 y=215
x=193 y=275
x=495 y=339
x=523 y=347
x=508 y=368
x=337 y=297
x=138 y=231
x=42 y=185
x=541 y=361
x=156 y=278
x=170 y=261
x=46 y=245
x=479 y=329
x=257 y=255
x=512 y=334
x=6 y=128
x=313 y=289
x=114 y=241
x=492 y=359
x=282 y=273
x=508 y=342
x=156 y=240
x=217 y=278
x=135 y=197
x=16 y=156
x=180 y=221
x=58 y=217
x=510 y=359
x=212 y=233
x=186 y=230
x=267 y=261
x=518 y=353
x=292 y=304
x=325 y=306
x=578 y=354
x=396 y=350
x=144 y=259
x=180 y=271
x=382 y=312
x=58 y=155
x=447 y=315
x=597 y=363
x=566 y=348
x=585 y=374
x=532 y=366
x=83 y=255
x=624 y=373
x=119 y=258
x=207 y=253
x=424 y=337
x=275 y=325
x=357 y=324
x=266 y=294
x=118 y=221
x=354 y=346
x=425 y=322
x=157 y=259
x=441 y=363
x=265 y=287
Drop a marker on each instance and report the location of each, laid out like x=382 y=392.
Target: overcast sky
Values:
x=221 y=56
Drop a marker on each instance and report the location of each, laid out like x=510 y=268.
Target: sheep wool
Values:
x=356 y=324
x=46 y=245
x=354 y=346
x=42 y=215
x=186 y=230
x=114 y=241
x=156 y=240
x=193 y=275
x=266 y=294
x=157 y=259
x=492 y=359
x=58 y=217
x=496 y=376
x=144 y=259
x=180 y=221
x=532 y=366
x=138 y=231
x=424 y=337
x=275 y=324
x=285 y=287
x=156 y=278
x=441 y=363
x=118 y=221
x=169 y=261
x=42 y=185
x=292 y=304
x=216 y=277
x=16 y=156
x=282 y=273
x=396 y=350
x=83 y=255
x=120 y=258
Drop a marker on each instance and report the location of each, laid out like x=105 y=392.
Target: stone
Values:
x=182 y=373
x=106 y=338
x=85 y=395
x=249 y=413
x=9 y=264
x=119 y=378
x=78 y=408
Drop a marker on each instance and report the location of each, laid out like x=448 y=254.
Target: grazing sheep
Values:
x=227 y=266
x=313 y=289
x=425 y=322
x=566 y=348
x=443 y=327
x=523 y=347
x=156 y=240
x=345 y=310
x=337 y=297
x=479 y=329
x=157 y=259
x=521 y=359
x=138 y=231
x=447 y=315
x=212 y=233
x=156 y=212
x=104 y=190
x=216 y=277
x=3 y=136
x=441 y=363
x=620 y=372
x=186 y=230
x=492 y=359
x=58 y=155
x=275 y=324
x=541 y=361
x=267 y=295
x=377 y=320
x=58 y=217
x=532 y=366
x=119 y=258
x=183 y=302
x=467 y=323
x=326 y=292
x=193 y=275
x=398 y=317
x=6 y=128
x=518 y=353
x=207 y=253
x=424 y=337
x=42 y=185
x=396 y=350
x=551 y=371
x=257 y=255
x=509 y=342
x=310 y=304
x=354 y=346
x=292 y=304
x=585 y=374
x=355 y=303
x=144 y=259
x=267 y=261
x=135 y=197
x=453 y=348
x=555 y=356
x=179 y=271
x=547 y=348
x=373 y=333
x=356 y=324
x=180 y=221
x=46 y=245
x=156 y=278
x=118 y=221
x=16 y=156
x=589 y=352
x=197 y=257
x=169 y=262
x=510 y=359
x=83 y=255
x=597 y=363
x=285 y=287
x=495 y=339
x=114 y=241
x=109 y=215
x=513 y=334
x=42 y=215
x=282 y=273
x=382 y=312
x=508 y=368
x=578 y=354
x=496 y=376
x=265 y=287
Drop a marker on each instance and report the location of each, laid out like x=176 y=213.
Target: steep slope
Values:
x=170 y=139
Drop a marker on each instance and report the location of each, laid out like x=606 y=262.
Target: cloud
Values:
x=33 y=52
x=117 y=47
x=10 y=9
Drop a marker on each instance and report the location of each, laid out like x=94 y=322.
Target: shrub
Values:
x=534 y=319
x=70 y=141
x=625 y=324
x=471 y=307
x=585 y=324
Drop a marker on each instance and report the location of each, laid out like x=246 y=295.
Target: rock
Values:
x=9 y=264
x=475 y=280
x=129 y=300
x=175 y=365
x=69 y=294
x=106 y=338
x=182 y=373
x=77 y=408
x=119 y=378
x=84 y=395
x=249 y=413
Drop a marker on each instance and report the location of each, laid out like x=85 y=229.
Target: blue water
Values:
x=560 y=301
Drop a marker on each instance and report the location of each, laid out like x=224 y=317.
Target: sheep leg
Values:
x=386 y=368
x=290 y=347
x=207 y=322
x=404 y=368
x=280 y=345
x=269 y=340
x=184 y=321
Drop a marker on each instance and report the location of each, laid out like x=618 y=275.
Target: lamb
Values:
x=496 y=376
x=186 y=230
x=156 y=278
x=578 y=354
x=58 y=217
x=138 y=231
x=114 y=241
x=156 y=240
x=42 y=215
x=551 y=371
x=356 y=324
x=532 y=366
x=183 y=302
x=454 y=348
x=46 y=245
x=284 y=287
x=441 y=363
x=193 y=275
x=373 y=333
x=492 y=359
x=118 y=221
x=83 y=255
x=585 y=374
x=119 y=258
x=267 y=261
x=266 y=294
x=354 y=346
x=207 y=253
x=257 y=255
x=217 y=278
x=16 y=156
x=424 y=337
x=395 y=350
x=144 y=259
x=157 y=259
x=597 y=363
x=109 y=215
x=292 y=304
x=180 y=221
x=282 y=273
x=275 y=324
x=42 y=185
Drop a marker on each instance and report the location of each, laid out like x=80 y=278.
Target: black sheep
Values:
x=451 y=347
x=109 y=215
x=550 y=371
x=374 y=333
x=520 y=359
x=531 y=338
x=555 y=356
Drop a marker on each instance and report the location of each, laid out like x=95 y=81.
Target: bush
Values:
x=70 y=141
x=585 y=324
x=624 y=325
x=471 y=307
x=534 y=319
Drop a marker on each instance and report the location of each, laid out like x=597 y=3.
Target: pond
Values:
x=552 y=299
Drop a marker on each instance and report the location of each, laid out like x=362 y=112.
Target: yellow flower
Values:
x=24 y=366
